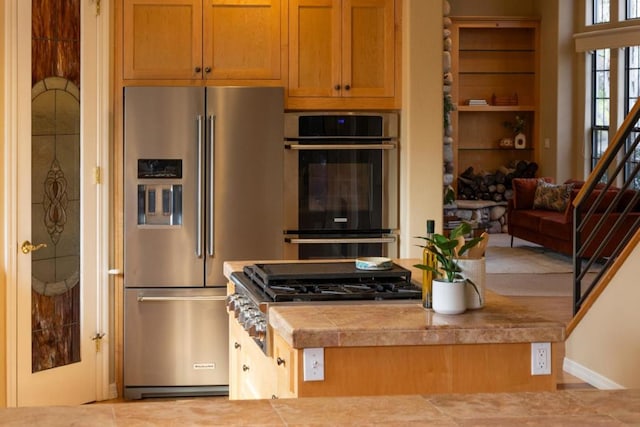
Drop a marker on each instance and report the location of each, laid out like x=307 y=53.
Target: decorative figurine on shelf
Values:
x=518 y=126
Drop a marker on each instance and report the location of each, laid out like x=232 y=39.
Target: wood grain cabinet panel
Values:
x=252 y=374
x=286 y=360
x=214 y=41
x=341 y=49
x=162 y=40
x=242 y=39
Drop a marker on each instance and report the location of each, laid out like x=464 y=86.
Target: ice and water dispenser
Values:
x=160 y=192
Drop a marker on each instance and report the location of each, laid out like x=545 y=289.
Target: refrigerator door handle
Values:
x=211 y=170
x=142 y=298
x=199 y=182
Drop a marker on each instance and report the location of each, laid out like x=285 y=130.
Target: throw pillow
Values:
x=524 y=190
x=552 y=197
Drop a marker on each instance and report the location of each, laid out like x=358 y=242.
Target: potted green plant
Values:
x=449 y=284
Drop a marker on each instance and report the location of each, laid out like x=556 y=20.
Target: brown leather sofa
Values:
x=552 y=227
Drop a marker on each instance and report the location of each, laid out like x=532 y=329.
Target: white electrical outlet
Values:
x=540 y=358
x=313 y=364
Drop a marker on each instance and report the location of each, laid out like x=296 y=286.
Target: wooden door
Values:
x=314 y=48
x=57 y=296
x=368 y=54
x=162 y=40
x=243 y=39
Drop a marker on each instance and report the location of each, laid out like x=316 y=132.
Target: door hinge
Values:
x=98 y=7
x=97 y=175
x=97 y=338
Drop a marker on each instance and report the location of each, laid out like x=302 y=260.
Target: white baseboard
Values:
x=587 y=375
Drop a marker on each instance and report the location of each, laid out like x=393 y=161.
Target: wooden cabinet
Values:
x=230 y=41
x=286 y=361
x=252 y=374
x=344 y=53
x=417 y=369
x=478 y=368
x=496 y=61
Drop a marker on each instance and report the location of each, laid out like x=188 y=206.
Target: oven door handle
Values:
x=142 y=298
x=340 y=146
x=306 y=241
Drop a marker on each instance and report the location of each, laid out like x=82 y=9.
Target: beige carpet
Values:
x=531 y=285
x=526 y=269
x=526 y=260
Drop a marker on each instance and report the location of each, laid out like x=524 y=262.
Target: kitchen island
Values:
x=384 y=348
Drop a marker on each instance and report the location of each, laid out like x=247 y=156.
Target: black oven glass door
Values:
x=340 y=190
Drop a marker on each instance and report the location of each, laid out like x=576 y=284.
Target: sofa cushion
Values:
x=603 y=204
x=524 y=190
x=529 y=219
x=552 y=196
x=626 y=199
x=557 y=227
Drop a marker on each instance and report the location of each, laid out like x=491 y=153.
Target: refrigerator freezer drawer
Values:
x=175 y=338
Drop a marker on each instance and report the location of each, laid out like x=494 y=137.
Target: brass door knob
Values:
x=28 y=247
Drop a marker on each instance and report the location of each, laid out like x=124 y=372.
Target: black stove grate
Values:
x=331 y=282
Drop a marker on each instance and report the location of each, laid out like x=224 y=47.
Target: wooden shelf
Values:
x=493 y=58
x=494 y=149
x=495 y=108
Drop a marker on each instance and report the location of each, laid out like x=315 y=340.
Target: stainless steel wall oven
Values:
x=341 y=184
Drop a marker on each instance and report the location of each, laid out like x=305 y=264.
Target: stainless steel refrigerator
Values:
x=202 y=185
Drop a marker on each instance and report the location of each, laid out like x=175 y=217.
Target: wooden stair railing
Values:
x=588 y=246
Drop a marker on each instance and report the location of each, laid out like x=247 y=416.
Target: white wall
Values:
x=421 y=156
x=607 y=340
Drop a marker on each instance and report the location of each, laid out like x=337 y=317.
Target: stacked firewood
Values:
x=494 y=186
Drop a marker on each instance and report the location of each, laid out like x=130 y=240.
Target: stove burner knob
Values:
x=232 y=301
x=240 y=305
x=258 y=329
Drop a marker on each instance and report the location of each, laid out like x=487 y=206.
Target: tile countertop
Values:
x=407 y=323
x=561 y=408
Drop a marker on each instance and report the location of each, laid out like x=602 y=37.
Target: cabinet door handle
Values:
x=245 y=368
x=236 y=345
x=207 y=70
x=197 y=69
x=337 y=87
x=280 y=361
x=347 y=87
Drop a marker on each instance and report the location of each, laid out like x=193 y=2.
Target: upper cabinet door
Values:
x=314 y=48
x=162 y=39
x=344 y=54
x=243 y=39
x=368 y=50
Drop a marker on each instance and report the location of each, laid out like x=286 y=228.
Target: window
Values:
x=613 y=60
x=601 y=62
x=632 y=9
x=632 y=92
x=601 y=11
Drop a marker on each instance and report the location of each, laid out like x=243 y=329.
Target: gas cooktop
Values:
x=327 y=281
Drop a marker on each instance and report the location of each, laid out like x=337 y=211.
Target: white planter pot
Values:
x=448 y=297
x=474 y=270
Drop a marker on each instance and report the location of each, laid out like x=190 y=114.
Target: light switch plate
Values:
x=313 y=364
